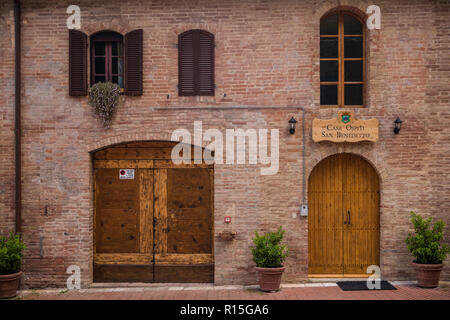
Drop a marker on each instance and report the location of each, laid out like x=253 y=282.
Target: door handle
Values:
x=166 y=229
x=348 y=218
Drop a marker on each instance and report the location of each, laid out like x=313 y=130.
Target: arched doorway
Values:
x=344 y=221
x=153 y=218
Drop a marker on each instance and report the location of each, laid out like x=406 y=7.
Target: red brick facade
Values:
x=267 y=54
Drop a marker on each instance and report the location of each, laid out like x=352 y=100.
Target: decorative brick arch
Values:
x=116 y=25
x=133 y=137
x=357 y=7
x=128 y=137
x=186 y=27
x=376 y=163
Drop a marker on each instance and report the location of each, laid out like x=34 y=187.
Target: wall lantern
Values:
x=292 y=123
x=398 y=125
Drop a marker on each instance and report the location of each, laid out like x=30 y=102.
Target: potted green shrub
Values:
x=11 y=249
x=425 y=246
x=269 y=254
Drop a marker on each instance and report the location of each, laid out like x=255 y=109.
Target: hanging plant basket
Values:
x=103 y=97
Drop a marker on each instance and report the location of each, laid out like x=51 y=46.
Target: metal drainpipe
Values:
x=17 y=124
x=303 y=158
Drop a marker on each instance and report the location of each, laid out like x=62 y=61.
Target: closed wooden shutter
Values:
x=133 y=63
x=196 y=63
x=205 y=63
x=77 y=63
x=186 y=67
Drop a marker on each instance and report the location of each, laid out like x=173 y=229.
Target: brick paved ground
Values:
x=305 y=292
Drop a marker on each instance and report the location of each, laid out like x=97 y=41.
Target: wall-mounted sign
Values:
x=126 y=173
x=345 y=129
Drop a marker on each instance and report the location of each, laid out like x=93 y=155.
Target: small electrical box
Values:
x=304 y=210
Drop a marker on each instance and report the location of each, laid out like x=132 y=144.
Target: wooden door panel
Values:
x=194 y=273
x=361 y=198
x=123 y=273
x=325 y=218
x=189 y=211
x=117 y=213
x=160 y=210
x=117 y=231
x=189 y=236
x=146 y=210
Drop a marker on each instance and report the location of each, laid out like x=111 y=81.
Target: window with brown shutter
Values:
x=114 y=58
x=196 y=63
x=77 y=63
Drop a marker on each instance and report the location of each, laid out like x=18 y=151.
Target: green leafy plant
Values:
x=268 y=252
x=425 y=244
x=11 y=249
x=103 y=97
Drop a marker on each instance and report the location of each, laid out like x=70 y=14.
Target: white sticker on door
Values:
x=126 y=173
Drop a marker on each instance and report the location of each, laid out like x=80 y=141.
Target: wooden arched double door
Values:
x=153 y=219
x=343 y=222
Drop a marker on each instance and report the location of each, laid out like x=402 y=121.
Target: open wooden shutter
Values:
x=77 y=63
x=196 y=63
x=133 y=63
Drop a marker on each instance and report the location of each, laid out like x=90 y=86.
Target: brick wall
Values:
x=267 y=54
x=7 y=187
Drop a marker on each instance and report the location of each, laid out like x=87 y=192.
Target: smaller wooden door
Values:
x=156 y=224
x=183 y=224
x=118 y=212
x=343 y=222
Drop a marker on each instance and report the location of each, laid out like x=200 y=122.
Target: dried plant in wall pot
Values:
x=104 y=97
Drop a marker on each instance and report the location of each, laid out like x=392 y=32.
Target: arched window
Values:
x=196 y=63
x=107 y=58
x=342 y=37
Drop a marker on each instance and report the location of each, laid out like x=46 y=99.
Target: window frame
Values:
x=108 y=37
x=341 y=60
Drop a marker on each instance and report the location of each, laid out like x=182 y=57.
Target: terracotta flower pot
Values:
x=9 y=284
x=428 y=274
x=269 y=278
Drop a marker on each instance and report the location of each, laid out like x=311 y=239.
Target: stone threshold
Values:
x=139 y=287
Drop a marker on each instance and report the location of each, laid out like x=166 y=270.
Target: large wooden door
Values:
x=343 y=222
x=154 y=225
